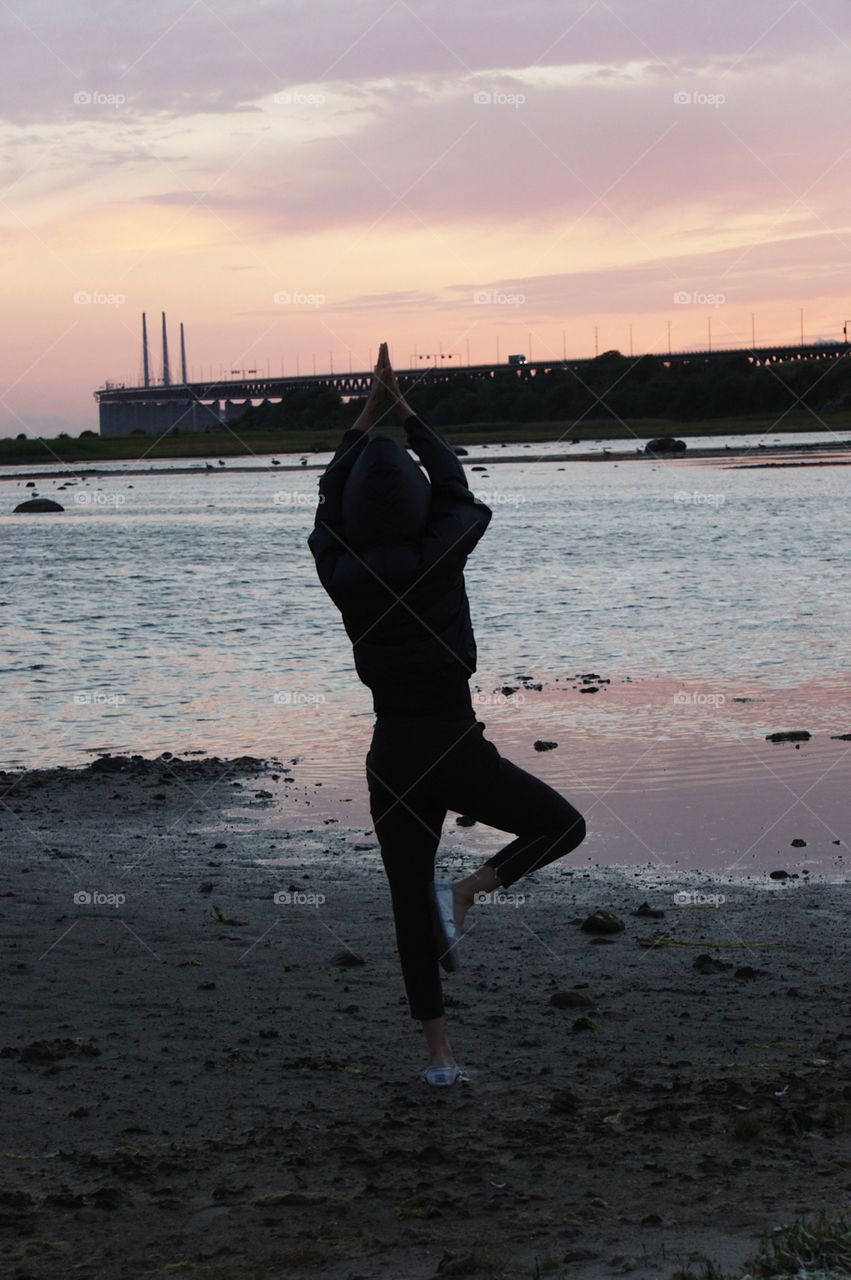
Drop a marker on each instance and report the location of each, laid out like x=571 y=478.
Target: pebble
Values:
x=601 y=921
x=570 y=1000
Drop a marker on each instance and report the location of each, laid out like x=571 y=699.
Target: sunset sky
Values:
x=445 y=176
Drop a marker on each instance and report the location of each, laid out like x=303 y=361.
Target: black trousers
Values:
x=418 y=767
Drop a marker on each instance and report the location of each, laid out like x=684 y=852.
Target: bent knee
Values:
x=573 y=833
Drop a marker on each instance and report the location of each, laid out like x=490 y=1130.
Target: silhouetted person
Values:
x=390 y=550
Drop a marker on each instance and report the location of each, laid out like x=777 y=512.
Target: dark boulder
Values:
x=665 y=444
x=38 y=504
x=571 y=1000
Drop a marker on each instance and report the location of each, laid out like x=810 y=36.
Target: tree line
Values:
x=610 y=387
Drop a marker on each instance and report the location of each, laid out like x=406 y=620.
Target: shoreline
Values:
x=681 y=773
x=216 y=772
x=841 y=449
x=679 y=1097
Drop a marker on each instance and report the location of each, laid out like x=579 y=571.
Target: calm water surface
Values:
x=181 y=612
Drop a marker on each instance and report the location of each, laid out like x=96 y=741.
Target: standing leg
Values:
x=408 y=832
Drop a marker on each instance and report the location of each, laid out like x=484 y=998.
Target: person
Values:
x=394 y=567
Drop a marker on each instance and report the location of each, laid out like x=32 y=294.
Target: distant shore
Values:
x=817 y=453
x=234 y=443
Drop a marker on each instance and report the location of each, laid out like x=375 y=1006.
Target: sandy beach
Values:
x=201 y=1080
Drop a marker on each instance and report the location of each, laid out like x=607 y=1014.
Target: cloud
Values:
x=398 y=155
x=220 y=56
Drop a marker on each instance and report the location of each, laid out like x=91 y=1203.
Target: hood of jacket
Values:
x=386 y=496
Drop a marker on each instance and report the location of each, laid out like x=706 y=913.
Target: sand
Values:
x=195 y=1084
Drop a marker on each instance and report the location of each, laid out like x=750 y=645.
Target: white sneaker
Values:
x=442 y=1076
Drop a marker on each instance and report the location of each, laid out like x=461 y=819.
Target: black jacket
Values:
x=404 y=605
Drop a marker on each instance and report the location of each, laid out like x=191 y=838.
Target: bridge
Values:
x=158 y=407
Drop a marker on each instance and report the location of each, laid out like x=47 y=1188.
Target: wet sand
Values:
x=194 y=1079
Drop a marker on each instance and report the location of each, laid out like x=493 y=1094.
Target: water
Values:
x=183 y=612
x=543 y=449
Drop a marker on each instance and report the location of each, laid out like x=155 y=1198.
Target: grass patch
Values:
x=275 y=1266
x=222 y=918
x=664 y=940
x=35 y=1247
x=819 y=1248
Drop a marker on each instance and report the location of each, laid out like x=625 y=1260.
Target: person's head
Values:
x=386 y=497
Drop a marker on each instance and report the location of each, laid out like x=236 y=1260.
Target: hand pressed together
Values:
x=384 y=395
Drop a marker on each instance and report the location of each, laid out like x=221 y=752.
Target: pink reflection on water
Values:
x=675 y=775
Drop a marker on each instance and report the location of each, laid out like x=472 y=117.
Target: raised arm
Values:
x=437 y=456
x=458 y=519
x=326 y=541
